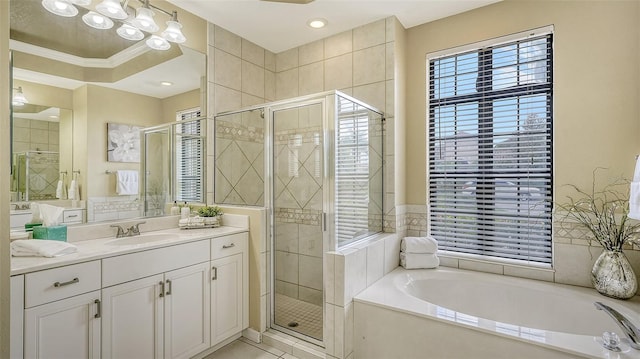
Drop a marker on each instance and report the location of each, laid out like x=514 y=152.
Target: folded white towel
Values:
x=126 y=182
x=74 y=193
x=419 y=260
x=634 y=200
x=41 y=248
x=419 y=245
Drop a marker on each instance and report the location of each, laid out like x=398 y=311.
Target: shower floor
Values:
x=308 y=316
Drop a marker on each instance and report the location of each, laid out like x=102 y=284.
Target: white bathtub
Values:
x=451 y=313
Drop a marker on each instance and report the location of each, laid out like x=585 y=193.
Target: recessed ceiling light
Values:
x=166 y=83
x=53 y=117
x=317 y=23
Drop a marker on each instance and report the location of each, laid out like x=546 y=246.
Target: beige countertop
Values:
x=94 y=249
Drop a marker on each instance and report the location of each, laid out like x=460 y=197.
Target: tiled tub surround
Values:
x=413 y=312
x=348 y=272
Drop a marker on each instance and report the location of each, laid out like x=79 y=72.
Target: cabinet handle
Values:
x=58 y=284
x=161 y=289
x=227 y=246
x=169 y=285
x=215 y=273
x=72 y=216
x=99 y=309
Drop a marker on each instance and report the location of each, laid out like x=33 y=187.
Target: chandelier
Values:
x=131 y=23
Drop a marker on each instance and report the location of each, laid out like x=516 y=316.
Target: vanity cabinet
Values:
x=62 y=312
x=229 y=286
x=68 y=328
x=169 y=302
x=165 y=315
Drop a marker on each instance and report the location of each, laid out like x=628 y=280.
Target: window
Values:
x=490 y=149
x=190 y=172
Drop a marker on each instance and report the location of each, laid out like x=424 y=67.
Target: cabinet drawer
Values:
x=229 y=245
x=63 y=282
x=72 y=216
x=138 y=265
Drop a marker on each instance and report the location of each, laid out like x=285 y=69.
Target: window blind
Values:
x=190 y=143
x=352 y=172
x=490 y=150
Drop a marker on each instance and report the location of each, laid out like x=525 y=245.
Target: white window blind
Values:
x=190 y=143
x=490 y=150
x=352 y=172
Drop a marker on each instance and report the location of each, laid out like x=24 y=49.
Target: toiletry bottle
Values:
x=175 y=210
x=185 y=211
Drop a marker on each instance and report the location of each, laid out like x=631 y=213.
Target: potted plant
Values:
x=605 y=214
x=212 y=215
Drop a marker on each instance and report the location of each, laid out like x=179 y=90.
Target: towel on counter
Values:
x=419 y=245
x=41 y=248
x=126 y=182
x=419 y=260
x=74 y=193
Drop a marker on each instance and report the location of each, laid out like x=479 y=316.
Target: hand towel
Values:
x=74 y=193
x=419 y=245
x=41 y=248
x=59 y=190
x=419 y=260
x=126 y=182
x=634 y=200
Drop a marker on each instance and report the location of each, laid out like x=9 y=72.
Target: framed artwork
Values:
x=123 y=143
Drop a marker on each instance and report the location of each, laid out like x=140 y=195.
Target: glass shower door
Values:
x=297 y=220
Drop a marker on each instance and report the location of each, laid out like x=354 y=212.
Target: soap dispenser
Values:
x=175 y=210
x=185 y=211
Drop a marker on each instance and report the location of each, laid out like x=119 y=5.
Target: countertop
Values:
x=100 y=248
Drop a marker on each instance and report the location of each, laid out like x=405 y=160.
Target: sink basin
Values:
x=141 y=239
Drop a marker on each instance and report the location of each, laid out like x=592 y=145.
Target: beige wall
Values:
x=184 y=101
x=596 y=82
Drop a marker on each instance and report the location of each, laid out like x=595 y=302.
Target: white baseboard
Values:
x=252 y=335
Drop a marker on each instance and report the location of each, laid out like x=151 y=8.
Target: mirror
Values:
x=91 y=79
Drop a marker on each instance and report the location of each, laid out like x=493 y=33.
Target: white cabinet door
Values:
x=226 y=297
x=68 y=328
x=132 y=319
x=186 y=311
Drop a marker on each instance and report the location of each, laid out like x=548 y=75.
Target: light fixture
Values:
x=317 y=23
x=166 y=83
x=129 y=32
x=18 y=99
x=131 y=28
x=173 y=32
x=60 y=7
x=144 y=18
x=112 y=9
x=97 y=21
x=158 y=43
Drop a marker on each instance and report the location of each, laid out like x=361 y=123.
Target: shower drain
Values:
x=293 y=324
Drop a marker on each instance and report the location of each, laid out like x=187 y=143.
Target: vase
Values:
x=613 y=276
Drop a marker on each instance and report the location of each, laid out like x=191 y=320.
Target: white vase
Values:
x=613 y=276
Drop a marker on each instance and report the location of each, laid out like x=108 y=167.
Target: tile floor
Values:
x=246 y=349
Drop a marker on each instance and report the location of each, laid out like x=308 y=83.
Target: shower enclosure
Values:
x=316 y=163
x=36 y=175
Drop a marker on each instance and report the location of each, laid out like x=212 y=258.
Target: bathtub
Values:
x=452 y=313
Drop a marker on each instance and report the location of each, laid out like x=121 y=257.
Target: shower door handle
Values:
x=324 y=221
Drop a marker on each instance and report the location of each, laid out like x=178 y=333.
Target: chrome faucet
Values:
x=632 y=332
x=134 y=230
x=121 y=233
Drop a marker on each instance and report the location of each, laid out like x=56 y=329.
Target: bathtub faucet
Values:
x=632 y=332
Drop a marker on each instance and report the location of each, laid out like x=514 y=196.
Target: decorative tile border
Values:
x=298 y=216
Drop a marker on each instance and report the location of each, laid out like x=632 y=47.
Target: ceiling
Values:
x=279 y=26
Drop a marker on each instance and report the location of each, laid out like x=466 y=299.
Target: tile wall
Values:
x=35 y=135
